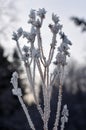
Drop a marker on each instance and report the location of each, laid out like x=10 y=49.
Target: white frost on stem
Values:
x=17 y=91
x=33 y=57
x=64 y=118
x=56 y=124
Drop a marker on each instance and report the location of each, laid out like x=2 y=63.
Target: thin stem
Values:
x=30 y=79
x=32 y=87
x=40 y=69
x=44 y=88
x=34 y=67
x=47 y=99
x=40 y=46
x=28 y=71
x=27 y=66
x=47 y=76
x=48 y=91
x=62 y=125
x=21 y=55
x=51 y=52
x=26 y=113
x=58 y=108
x=59 y=101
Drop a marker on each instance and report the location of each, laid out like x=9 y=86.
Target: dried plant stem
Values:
x=28 y=71
x=45 y=94
x=48 y=91
x=58 y=108
x=26 y=113
x=32 y=87
x=51 y=53
x=47 y=99
x=34 y=68
x=62 y=125
x=43 y=59
x=44 y=90
x=20 y=52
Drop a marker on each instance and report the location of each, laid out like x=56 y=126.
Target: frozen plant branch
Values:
x=17 y=91
x=64 y=117
x=34 y=58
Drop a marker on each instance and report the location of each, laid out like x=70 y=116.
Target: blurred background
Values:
x=14 y=14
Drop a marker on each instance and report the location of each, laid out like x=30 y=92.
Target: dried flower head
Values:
x=61 y=59
x=32 y=14
x=64 y=38
x=14 y=79
x=55 y=18
x=35 y=53
x=14 y=36
x=17 y=35
x=25 y=49
x=17 y=92
x=41 y=13
x=37 y=23
x=63 y=47
x=65 y=114
x=30 y=36
x=55 y=28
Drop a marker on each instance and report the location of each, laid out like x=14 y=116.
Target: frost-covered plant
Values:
x=34 y=57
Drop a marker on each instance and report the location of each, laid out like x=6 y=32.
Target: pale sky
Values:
x=64 y=9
